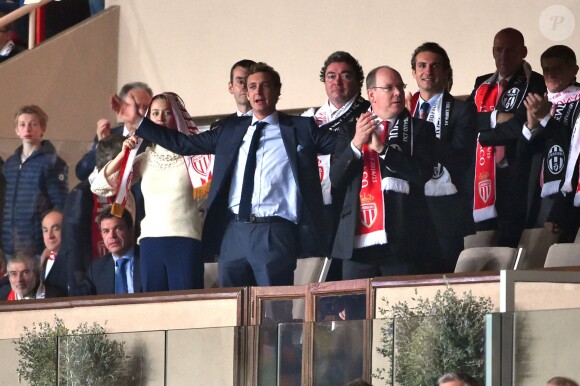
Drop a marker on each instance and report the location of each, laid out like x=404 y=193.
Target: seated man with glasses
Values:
x=382 y=161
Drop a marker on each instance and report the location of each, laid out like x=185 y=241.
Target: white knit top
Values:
x=170 y=210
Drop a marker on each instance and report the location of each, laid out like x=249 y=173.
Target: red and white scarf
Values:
x=487 y=100
x=370 y=228
x=568 y=95
x=199 y=167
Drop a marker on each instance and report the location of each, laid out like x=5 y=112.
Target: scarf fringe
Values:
x=374 y=238
x=202 y=191
x=483 y=214
x=550 y=188
x=395 y=185
x=433 y=189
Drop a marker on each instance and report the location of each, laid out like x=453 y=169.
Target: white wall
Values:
x=188 y=46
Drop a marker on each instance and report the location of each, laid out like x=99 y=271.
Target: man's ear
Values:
x=230 y=87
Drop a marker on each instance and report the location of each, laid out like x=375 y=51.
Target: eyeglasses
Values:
x=390 y=88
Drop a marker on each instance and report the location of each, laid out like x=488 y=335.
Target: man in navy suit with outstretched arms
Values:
x=265 y=202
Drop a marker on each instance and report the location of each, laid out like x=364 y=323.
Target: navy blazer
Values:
x=302 y=139
x=100 y=279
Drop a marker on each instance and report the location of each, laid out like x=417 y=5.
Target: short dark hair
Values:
x=562 y=381
x=107 y=213
x=245 y=63
x=263 y=67
x=512 y=31
x=343 y=57
x=465 y=378
x=434 y=48
x=108 y=148
x=47 y=212
x=33 y=110
x=561 y=52
x=135 y=85
x=372 y=76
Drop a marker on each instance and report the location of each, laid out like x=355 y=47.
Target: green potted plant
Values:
x=433 y=337
x=85 y=355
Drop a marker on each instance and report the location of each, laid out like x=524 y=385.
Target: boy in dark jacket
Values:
x=36 y=181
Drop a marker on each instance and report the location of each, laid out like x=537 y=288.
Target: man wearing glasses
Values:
x=449 y=192
x=382 y=161
x=343 y=78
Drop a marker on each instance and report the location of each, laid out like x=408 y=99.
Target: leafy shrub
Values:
x=446 y=334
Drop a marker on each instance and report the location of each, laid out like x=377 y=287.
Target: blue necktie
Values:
x=245 y=208
x=425 y=108
x=120 y=276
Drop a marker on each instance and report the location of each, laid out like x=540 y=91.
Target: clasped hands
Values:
x=366 y=133
x=538 y=107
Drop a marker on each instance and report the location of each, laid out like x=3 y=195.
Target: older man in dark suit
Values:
x=265 y=200
x=118 y=271
x=383 y=160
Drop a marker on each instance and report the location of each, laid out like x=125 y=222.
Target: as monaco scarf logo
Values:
x=484 y=187
x=320 y=170
x=201 y=165
x=368 y=211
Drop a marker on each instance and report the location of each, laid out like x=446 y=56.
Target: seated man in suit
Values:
x=54 y=267
x=383 y=161
x=259 y=232
x=117 y=271
x=24 y=279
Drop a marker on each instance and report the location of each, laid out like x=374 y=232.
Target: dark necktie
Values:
x=120 y=276
x=245 y=208
x=424 y=111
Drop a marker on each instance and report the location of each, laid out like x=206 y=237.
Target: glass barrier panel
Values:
x=290 y=354
x=276 y=311
x=28 y=359
x=545 y=345
x=341 y=307
x=207 y=356
x=427 y=347
x=136 y=358
x=339 y=350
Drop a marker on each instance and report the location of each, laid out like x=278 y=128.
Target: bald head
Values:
x=509 y=51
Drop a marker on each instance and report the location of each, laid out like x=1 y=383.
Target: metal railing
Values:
x=32 y=11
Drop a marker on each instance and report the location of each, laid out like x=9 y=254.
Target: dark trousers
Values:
x=261 y=254
x=452 y=218
x=373 y=261
x=171 y=264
